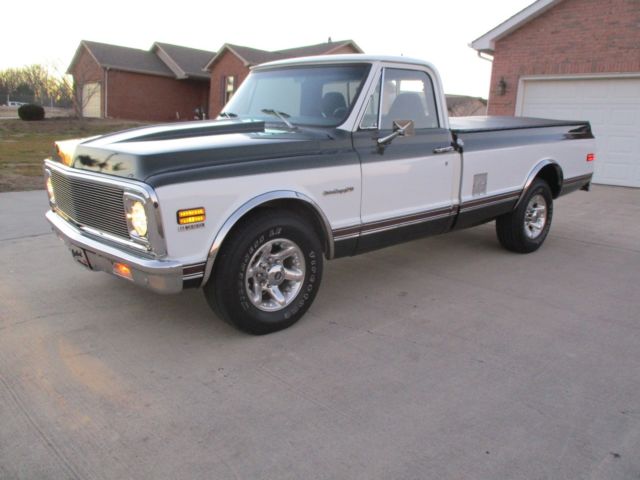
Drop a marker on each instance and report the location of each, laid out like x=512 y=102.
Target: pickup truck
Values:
x=312 y=159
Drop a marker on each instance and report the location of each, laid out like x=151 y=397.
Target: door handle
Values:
x=443 y=149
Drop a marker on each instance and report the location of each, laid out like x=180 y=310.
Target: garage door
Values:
x=91 y=100
x=612 y=105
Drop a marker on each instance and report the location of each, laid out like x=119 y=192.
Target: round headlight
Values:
x=138 y=218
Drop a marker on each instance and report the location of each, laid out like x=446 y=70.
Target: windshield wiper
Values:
x=228 y=114
x=281 y=115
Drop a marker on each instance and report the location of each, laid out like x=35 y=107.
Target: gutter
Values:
x=106 y=92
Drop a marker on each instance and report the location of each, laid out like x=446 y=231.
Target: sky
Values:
x=437 y=31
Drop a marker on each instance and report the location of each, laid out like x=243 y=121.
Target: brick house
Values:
x=231 y=65
x=165 y=83
x=574 y=59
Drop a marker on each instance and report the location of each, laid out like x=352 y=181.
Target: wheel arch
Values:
x=550 y=172
x=282 y=199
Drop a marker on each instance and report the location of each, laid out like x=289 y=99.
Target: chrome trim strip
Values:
x=489 y=201
x=384 y=71
x=534 y=173
x=406 y=224
x=392 y=223
x=193 y=276
x=578 y=179
x=256 y=202
x=338 y=238
x=142 y=249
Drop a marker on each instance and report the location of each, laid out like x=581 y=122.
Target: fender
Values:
x=534 y=173
x=256 y=202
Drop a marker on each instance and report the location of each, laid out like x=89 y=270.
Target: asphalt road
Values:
x=444 y=358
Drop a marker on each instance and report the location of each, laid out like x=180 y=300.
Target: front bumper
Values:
x=162 y=276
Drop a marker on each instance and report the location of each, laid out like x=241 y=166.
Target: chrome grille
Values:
x=91 y=204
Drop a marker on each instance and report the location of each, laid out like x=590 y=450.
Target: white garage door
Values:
x=91 y=100
x=612 y=105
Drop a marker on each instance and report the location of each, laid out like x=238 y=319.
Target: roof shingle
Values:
x=190 y=60
x=125 y=58
x=254 y=56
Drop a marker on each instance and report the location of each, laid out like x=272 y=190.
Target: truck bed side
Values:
x=500 y=154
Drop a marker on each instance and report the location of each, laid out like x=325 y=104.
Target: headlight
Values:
x=136 y=216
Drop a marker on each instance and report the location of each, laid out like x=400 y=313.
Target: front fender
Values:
x=254 y=203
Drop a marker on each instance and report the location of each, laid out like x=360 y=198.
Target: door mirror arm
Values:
x=401 y=128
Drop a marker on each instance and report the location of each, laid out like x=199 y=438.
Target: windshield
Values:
x=319 y=96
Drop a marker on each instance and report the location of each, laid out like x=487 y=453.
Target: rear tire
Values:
x=524 y=229
x=267 y=273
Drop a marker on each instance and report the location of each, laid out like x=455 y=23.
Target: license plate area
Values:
x=80 y=256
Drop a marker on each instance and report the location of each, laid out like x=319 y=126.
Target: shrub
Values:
x=31 y=112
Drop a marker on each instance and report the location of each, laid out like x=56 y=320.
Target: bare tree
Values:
x=84 y=87
x=42 y=86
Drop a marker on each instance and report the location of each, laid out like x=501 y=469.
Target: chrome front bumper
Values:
x=162 y=276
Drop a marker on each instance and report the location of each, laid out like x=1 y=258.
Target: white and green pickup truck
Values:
x=312 y=159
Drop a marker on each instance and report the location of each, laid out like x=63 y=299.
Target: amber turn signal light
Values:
x=122 y=270
x=191 y=215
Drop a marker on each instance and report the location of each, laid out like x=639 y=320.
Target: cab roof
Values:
x=344 y=58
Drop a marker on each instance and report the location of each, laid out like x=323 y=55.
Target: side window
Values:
x=370 y=118
x=408 y=95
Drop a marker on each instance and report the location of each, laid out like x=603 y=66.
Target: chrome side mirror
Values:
x=401 y=128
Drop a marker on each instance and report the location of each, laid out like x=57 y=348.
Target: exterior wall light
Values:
x=502 y=87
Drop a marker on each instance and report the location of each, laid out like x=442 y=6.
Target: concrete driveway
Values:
x=445 y=358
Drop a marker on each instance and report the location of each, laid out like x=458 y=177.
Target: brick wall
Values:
x=87 y=70
x=136 y=96
x=226 y=65
x=574 y=37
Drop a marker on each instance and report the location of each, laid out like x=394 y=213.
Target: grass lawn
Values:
x=23 y=146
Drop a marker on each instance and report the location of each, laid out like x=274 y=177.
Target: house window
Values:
x=229 y=87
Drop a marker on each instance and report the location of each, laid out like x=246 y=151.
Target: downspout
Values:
x=106 y=92
x=488 y=58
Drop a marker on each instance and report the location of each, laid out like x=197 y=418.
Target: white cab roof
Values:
x=349 y=58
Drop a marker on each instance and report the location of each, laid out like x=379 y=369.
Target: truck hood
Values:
x=166 y=154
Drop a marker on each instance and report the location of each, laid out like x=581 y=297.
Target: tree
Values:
x=34 y=83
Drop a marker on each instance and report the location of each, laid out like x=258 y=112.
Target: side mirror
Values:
x=401 y=128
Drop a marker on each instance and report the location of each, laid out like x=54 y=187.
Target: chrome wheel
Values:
x=535 y=216
x=275 y=275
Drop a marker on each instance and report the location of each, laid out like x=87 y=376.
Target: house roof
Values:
x=122 y=58
x=253 y=56
x=185 y=62
x=486 y=43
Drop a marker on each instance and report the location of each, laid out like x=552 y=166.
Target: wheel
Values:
x=267 y=273
x=524 y=229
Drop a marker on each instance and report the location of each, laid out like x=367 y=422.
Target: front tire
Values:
x=524 y=229
x=267 y=273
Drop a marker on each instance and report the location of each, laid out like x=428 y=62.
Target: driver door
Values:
x=408 y=184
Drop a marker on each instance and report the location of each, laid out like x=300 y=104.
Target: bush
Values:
x=31 y=112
